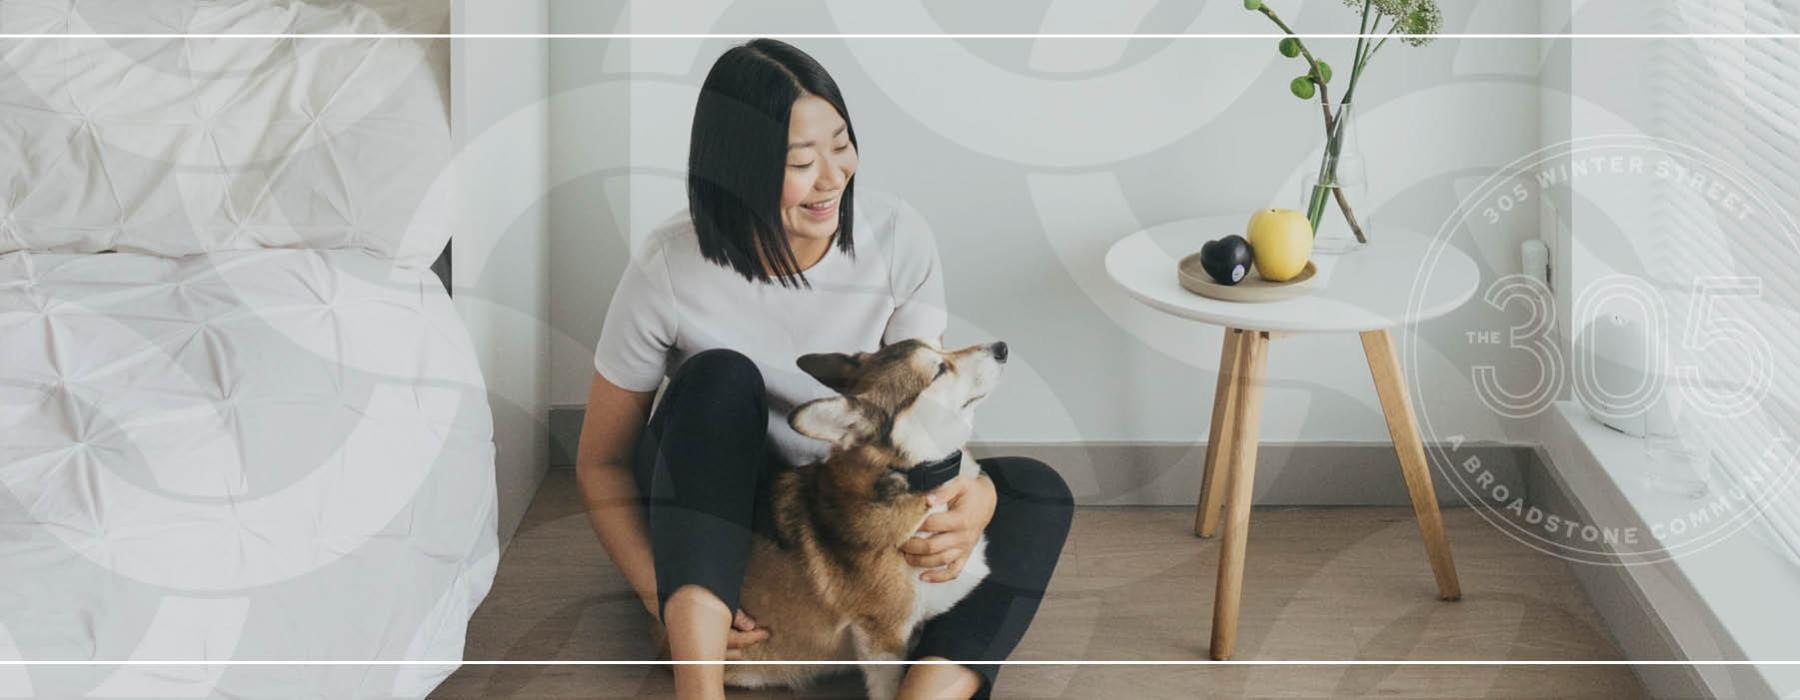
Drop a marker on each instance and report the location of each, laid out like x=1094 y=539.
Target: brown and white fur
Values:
x=834 y=584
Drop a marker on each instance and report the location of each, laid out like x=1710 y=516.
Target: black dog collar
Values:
x=927 y=476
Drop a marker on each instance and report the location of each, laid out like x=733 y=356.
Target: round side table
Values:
x=1366 y=292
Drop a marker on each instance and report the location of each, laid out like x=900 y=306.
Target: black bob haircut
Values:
x=737 y=157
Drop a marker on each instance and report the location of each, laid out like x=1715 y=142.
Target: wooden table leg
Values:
x=1253 y=355
x=1218 y=443
x=1403 y=426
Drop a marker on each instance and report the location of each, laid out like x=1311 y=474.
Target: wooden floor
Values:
x=1133 y=584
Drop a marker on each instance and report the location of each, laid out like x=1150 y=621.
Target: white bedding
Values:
x=257 y=431
x=174 y=146
x=275 y=455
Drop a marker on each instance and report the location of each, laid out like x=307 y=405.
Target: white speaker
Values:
x=1625 y=362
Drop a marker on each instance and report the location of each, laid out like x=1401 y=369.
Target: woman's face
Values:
x=820 y=161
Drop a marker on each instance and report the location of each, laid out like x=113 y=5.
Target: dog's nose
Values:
x=1000 y=351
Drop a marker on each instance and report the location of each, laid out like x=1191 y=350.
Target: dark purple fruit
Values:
x=1227 y=260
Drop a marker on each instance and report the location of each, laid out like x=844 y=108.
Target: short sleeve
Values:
x=640 y=326
x=917 y=279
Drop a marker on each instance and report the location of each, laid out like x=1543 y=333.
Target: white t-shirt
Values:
x=671 y=304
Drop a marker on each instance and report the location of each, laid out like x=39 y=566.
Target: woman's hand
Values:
x=743 y=635
x=954 y=532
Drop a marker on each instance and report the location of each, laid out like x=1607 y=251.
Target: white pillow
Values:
x=181 y=146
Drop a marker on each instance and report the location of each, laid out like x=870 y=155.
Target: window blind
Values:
x=1738 y=102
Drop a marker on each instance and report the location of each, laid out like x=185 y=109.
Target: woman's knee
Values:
x=712 y=378
x=690 y=601
x=1027 y=479
x=720 y=366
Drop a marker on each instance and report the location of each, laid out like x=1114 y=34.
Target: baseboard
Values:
x=1168 y=474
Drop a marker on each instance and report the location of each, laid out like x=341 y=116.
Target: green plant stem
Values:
x=1315 y=207
x=1384 y=40
x=1312 y=64
x=1362 y=58
x=1334 y=140
x=1334 y=143
x=1315 y=210
x=1362 y=30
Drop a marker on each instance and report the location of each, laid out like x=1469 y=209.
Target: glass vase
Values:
x=1338 y=193
x=1677 y=447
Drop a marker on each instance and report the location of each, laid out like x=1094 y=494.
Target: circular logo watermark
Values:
x=1657 y=335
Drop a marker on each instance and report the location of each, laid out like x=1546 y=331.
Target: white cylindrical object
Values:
x=1617 y=350
x=1534 y=260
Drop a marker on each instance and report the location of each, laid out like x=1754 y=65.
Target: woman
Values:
x=775 y=258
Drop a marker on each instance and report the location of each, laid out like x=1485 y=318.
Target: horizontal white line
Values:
x=911 y=36
x=839 y=662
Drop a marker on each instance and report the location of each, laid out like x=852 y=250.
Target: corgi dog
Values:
x=832 y=583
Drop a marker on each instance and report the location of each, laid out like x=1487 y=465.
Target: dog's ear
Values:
x=839 y=420
x=833 y=369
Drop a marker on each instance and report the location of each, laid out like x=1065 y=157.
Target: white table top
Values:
x=1400 y=277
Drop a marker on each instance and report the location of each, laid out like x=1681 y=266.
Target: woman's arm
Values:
x=955 y=531
x=609 y=434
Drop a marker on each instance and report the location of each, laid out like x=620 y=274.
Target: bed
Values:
x=239 y=417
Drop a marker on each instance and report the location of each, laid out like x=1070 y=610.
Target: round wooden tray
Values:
x=1252 y=289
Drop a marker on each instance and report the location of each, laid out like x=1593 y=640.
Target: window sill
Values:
x=1732 y=600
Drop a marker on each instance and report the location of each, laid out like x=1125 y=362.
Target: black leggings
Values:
x=703 y=465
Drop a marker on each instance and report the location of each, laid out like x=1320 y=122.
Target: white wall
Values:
x=589 y=131
x=500 y=251
x=1030 y=157
x=1607 y=77
x=1556 y=125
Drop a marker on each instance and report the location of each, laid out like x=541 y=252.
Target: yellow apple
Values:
x=1281 y=241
